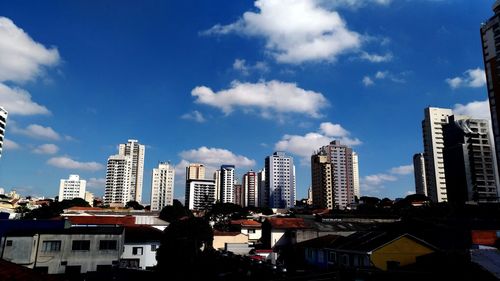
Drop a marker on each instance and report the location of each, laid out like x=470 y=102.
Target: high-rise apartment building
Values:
x=280 y=180
x=118 y=174
x=3 y=124
x=250 y=182
x=239 y=195
x=322 y=178
x=337 y=176
x=200 y=194
x=71 y=188
x=217 y=185
x=419 y=173
x=195 y=171
x=162 y=186
x=471 y=174
x=227 y=183
x=136 y=152
x=432 y=129
x=262 y=191
x=491 y=55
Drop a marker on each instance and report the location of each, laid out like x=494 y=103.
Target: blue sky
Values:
x=229 y=82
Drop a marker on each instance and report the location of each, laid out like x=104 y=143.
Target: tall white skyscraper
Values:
x=200 y=194
x=355 y=175
x=250 y=188
x=118 y=174
x=136 y=151
x=419 y=172
x=217 y=185
x=227 y=183
x=432 y=128
x=280 y=180
x=162 y=186
x=3 y=124
x=72 y=188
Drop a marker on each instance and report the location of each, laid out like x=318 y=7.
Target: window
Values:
x=107 y=245
x=81 y=245
x=251 y=231
x=332 y=257
x=154 y=248
x=137 y=251
x=51 y=246
x=9 y=243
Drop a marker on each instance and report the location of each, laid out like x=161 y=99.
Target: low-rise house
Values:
x=69 y=250
x=376 y=249
x=278 y=232
x=223 y=238
x=249 y=227
x=316 y=250
x=141 y=243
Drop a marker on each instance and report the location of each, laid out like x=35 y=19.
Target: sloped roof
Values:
x=287 y=223
x=226 y=233
x=367 y=241
x=142 y=233
x=246 y=223
x=100 y=220
x=320 y=242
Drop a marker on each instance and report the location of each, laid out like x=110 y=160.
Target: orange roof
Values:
x=225 y=233
x=127 y=220
x=248 y=223
x=84 y=209
x=287 y=223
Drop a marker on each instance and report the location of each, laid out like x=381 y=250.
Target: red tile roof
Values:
x=247 y=223
x=127 y=220
x=225 y=233
x=287 y=223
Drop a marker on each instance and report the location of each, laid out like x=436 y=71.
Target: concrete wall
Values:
x=22 y=251
x=220 y=241
x=148 y=257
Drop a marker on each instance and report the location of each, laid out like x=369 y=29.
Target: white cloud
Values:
x=194 y=116
x=66 y=162
x=96 y=183
x=402 y=170
x=21 y=58
x=295 y=31
x=476 y=109
x=215 y=157
x=373 y=184
x=305 y=145
x=472 y=78
x=376 y=58
x=267 y=97
x=354 y=4
x=381 y=74
x=367 y=81
x=18 y=101
x=47 y=148
x=37 y=131
x=10 y=145
x=245 y=69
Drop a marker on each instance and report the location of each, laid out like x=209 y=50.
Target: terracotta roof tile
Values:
x=287 y=223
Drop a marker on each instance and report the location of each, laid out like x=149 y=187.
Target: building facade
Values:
x=261 y=187
x=195 y=171
x=491 y=51
x=280 y=180
x=419 y=173
x=227 y=183
x=162 y=186
x=322 y=179
x=432 y=129
x=355 y=175
x=250 y=180
x=71 y=188
x=118 y=174
x=136 y=152
x=200 y=194
x=3 y=125
x=469 y=157
x=239 y=195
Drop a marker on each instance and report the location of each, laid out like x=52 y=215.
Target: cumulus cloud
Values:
x=194 y=116
x=215 y=157
x=384 y=75
x=18 y=101
x=305 y=145
x=266 y=97
x=476 y=109
x=10 y=145
x=37 y=131
x=367 y=81
x=375 y=57
x=295 y=31
x=47 y=148
x=66 y=162
x=472 y=78
x=22 y=58
x=373 y=184
x=355 y=4
x=245 y=69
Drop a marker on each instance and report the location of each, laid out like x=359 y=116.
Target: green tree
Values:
x=134 y=205
x=174 y=212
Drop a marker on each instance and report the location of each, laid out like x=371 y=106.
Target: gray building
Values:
x=419 y=173
x=71 y=250
x=200 y=194
x=469 y=158
x=280 y=180
x=491 y=51
x=3 y=124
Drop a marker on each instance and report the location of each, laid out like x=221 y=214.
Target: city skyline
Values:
x=81 y=75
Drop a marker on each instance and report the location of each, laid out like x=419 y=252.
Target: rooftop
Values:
x=287 y=223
